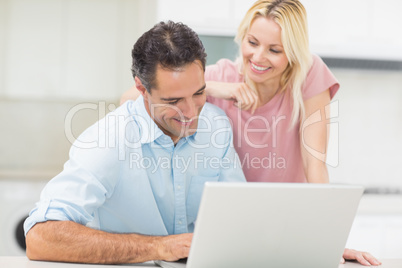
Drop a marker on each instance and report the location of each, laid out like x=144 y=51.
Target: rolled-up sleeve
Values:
x=70 y=196
x=81 y=188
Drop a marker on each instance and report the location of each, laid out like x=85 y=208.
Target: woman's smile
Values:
x=258 y=68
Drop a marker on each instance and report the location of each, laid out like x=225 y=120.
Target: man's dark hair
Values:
x=168 y=44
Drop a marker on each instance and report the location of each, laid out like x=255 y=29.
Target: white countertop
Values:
x=18 y=262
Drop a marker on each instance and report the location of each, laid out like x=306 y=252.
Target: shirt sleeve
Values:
x=319 y=79
x=224 y=70
x=82 y=187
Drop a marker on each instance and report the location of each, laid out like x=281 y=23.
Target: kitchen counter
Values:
x=17 y=262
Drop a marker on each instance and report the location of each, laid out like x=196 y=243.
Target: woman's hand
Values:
x=364 y=258
x=243 y=96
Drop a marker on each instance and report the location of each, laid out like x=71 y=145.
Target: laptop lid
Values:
x=273 y=225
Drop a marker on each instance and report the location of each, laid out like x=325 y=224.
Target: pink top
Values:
x=269 y=151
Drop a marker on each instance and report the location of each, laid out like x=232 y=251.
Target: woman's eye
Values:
x=275 y=51
x=252 y=43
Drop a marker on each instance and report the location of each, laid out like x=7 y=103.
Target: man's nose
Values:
x=189 y=109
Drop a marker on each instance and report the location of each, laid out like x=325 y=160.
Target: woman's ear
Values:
x=140 y=86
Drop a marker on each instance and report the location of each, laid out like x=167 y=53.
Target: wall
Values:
x=56 y=49
x=342 y=28
x=370 y=128
x=54 y=55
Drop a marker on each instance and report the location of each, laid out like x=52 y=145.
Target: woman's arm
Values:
x=131 y=94
x=314 y=134
x=244 y=97
x=67 y=241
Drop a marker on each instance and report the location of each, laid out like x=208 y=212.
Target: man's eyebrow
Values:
x=175 y=99
x=170 y=99
x=201 y=89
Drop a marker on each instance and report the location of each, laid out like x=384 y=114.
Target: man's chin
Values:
x=190 y=132
x=187 y=132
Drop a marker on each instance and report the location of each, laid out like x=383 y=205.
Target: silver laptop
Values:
x=272 y=225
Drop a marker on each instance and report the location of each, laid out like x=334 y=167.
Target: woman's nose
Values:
x=259 y=55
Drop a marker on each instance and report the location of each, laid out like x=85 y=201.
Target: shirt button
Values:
x=179 y=187
x=180 y=222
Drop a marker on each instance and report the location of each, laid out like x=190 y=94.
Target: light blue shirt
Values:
x=125 y=175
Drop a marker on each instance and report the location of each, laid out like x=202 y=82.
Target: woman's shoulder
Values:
x=224 y=70
x=225 y=63
x=317 y=63
x=319 y=78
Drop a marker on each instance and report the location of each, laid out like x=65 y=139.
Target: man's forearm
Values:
x=68 y=241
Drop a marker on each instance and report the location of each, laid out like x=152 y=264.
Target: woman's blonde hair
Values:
x=291 y=16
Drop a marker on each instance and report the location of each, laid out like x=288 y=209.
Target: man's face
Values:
x=177 y=101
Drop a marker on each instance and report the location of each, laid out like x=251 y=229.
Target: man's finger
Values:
x=371 y=259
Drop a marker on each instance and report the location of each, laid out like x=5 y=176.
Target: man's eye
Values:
x=173 y=102
x=199 y=93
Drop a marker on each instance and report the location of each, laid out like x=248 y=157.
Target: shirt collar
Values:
x=148 y=130
x=202 y=125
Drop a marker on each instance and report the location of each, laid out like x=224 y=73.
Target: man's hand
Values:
x=364 y=258
x=175 y=247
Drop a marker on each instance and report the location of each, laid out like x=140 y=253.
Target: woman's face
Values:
x=264 y=58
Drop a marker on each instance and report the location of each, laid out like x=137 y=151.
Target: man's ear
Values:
x=140 y=86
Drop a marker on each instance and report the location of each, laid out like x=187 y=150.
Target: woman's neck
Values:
x=267 y=91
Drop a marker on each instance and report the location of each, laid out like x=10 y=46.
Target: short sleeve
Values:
x=319 y=79
x=224 y=70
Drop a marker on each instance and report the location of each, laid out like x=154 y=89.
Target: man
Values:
x=134 y=197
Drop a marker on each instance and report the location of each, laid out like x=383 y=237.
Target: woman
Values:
x=278 y=84
x=280 y=89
